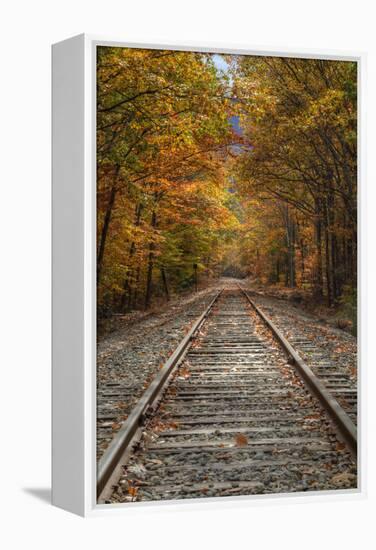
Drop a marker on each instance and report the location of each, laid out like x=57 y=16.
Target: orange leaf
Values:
x=241 y=440
x=133 y=491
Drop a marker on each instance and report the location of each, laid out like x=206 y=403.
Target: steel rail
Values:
x=344 y=423
x=126 y=435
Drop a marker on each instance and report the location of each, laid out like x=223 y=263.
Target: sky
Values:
x=222 y=65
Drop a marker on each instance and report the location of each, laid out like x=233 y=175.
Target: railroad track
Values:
x=233 y=411
x=334 y=376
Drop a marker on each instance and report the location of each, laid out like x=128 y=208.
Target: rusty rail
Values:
x=125 y=437
x=341 y=419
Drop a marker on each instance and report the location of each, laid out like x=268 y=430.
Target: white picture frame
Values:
x=74 y=278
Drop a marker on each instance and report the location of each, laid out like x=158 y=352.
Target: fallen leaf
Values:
x=241 y=440
x=344 y=479
x=133 y=491
x=315 y=416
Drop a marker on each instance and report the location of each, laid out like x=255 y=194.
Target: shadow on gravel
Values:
x=40 y=493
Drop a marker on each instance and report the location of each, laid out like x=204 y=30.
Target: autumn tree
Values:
x=162 y=133
x=299 y=118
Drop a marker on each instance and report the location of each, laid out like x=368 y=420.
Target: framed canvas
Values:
x=208 y=276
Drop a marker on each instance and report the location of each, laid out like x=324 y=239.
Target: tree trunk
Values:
x=149 y=277
x=132 y=250
x=302 y=262
x=328 y=270
x=132 y=300
x=257 y=264
x=292 y=269
x=104 y=232
x=318 y=280
x=286 y=269
x=333 y=252
x=165 y=285
x=290 y=241
x=335 y=275
x=277 y=270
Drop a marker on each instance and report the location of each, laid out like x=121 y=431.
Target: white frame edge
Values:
x=68 y=381
x=74 y=279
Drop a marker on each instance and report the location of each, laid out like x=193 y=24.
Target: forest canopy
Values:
x=214 y=165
